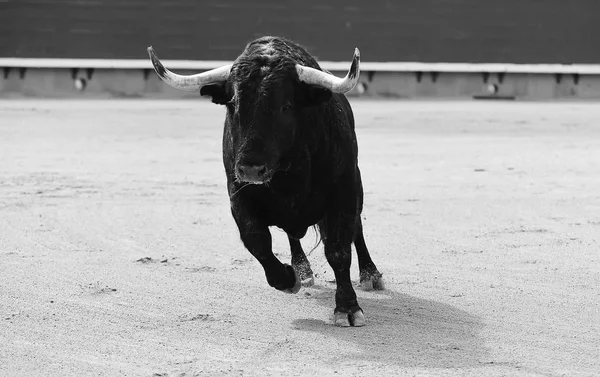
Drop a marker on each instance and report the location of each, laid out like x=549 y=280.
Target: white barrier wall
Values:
x=134 y=78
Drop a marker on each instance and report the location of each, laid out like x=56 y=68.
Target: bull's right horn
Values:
x=190 y=83
x=335 y=84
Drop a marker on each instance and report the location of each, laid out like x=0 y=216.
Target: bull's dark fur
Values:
x=305 y=137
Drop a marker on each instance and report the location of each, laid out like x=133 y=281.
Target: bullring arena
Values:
x=478 y=128
x=119 y=255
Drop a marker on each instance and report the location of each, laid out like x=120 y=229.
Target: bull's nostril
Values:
x=253 y=173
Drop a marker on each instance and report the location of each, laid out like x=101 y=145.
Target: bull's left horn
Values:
x=335 y=84
x=193 y=82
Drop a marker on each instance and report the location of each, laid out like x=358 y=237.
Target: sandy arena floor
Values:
x=119 y=256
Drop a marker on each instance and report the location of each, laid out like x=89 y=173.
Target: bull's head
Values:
x=266 y=97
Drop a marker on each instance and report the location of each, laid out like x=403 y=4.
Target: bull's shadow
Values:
x=406 y=331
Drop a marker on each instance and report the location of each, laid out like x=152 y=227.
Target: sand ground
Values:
x=119 y=256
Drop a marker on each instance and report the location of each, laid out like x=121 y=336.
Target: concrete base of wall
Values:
x=103 y=83
x=472 y=85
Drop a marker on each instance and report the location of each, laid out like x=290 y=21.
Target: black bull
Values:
x=291 y=158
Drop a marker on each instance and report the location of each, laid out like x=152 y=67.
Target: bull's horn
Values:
x=193 y=82
x=329 y=81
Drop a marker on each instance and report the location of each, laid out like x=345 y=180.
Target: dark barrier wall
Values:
x=514 y=31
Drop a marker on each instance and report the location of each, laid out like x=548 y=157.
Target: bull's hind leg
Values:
x=338 y=251
x=300 y=263
x=370 y=277
x=338 y=228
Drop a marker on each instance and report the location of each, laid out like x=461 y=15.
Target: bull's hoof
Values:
x=306 y=275
x=297 y=285
x=356 y=319
x=308 y=281
x=371 y=281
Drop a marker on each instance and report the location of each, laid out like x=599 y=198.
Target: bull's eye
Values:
x=286 y=107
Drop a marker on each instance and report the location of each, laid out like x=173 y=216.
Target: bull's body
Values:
x=322 y=160
x=291 y=158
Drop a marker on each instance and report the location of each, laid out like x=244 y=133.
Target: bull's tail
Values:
x=319 y=236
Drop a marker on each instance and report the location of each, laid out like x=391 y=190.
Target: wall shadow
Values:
x=406 y=331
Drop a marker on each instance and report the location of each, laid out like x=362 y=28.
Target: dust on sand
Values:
x=118 y=254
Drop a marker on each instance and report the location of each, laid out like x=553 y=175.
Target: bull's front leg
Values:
x=257 y=239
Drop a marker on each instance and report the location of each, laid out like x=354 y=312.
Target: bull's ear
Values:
x=312 y=95
x=217 y=91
